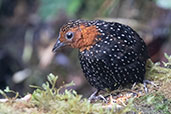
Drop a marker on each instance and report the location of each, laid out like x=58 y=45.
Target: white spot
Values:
x=122 y=35
x=119 y=37
x=112 y=24
x=101 y=30
x=105 y=25
x=98 y=24
x=123 y=45
x=125 y=41
x=97 y=71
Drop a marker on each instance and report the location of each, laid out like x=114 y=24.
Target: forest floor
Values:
x=51 y=100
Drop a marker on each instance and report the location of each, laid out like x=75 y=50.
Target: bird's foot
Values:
x=95 y=96
x=145 y=82
x=133 y=86
x=92 y=96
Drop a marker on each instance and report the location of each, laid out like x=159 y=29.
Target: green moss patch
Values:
x=48 y=99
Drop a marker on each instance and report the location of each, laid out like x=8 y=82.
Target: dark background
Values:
x=29 y=28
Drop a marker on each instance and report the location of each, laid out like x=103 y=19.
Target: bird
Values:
x=111 y=54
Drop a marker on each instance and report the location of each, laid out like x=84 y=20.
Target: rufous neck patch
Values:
x=87 y=38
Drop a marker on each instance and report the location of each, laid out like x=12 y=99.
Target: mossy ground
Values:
x=50 y=100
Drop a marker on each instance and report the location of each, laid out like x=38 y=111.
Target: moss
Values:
x=154 y=103
x=48 y=99
x=154 y=71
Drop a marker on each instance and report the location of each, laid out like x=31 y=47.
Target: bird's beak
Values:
x=57 y=45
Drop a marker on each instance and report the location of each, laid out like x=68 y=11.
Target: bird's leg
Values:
x=101 y=97
x=145 y=86
x=133 y=85
x=96 y=96
x=145 y=82
x=132 y=90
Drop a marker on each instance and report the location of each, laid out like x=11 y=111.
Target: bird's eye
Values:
x=69 y=35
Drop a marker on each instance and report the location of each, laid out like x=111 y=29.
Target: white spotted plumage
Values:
x=117 y=58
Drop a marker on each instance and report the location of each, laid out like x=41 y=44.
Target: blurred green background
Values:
x=29 y=28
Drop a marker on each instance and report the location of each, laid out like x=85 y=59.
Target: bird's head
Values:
x=77 y=34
